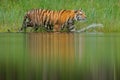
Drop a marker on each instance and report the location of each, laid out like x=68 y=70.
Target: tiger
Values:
x=53 y=20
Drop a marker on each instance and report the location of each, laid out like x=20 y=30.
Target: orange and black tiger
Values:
x=52 y=20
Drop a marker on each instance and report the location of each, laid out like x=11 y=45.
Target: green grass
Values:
x=106 y=12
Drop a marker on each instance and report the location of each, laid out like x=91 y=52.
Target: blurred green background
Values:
x=105 y=12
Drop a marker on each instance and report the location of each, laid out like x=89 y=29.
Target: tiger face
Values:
x=80 y=15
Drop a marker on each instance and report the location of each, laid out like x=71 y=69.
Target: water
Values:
x=59 y=56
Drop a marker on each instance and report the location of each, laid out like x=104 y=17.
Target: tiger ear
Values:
x=80 y=9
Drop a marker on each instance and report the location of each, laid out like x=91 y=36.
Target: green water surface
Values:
x=59 y=56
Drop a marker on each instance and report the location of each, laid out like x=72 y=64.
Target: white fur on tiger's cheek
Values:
x=75 y=18
x=81 y=13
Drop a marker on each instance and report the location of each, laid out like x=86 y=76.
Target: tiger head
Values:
x=80 y=15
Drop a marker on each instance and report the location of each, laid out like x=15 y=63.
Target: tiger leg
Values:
x=62 y=27
x=50 y=28
x=56 y=28
x=47 y=28
x=34 y=27
x=24 y=25
x=71 y=28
